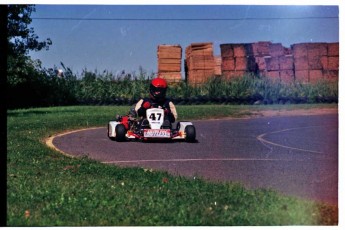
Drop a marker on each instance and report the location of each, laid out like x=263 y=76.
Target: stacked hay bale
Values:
x=300 y=55
x=316 y=52
x=264 y=58
x=217 y=65
x=199 y=63
x=316 y=61
x=331 y=64
x=169 y=62
x=304 y=62
x=279 y=63
x=237 y=59
x=261 y=51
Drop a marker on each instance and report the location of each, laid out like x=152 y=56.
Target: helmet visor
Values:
x=158 y=92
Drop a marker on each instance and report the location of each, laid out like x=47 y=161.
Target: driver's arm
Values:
x=173 y=110
x=138 y=108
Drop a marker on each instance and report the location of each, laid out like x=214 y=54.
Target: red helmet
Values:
x=158 y=88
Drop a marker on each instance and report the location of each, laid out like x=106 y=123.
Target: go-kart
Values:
x=153 y=127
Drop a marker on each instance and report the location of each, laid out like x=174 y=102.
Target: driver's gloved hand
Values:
x=146 y=105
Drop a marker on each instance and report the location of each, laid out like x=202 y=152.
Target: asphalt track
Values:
x=295 y=155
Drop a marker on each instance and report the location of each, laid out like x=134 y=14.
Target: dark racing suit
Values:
x=166 y=104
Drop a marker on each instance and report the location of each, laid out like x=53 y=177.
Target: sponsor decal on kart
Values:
x=157 y=133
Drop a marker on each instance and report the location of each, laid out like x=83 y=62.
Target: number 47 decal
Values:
x=153 y=116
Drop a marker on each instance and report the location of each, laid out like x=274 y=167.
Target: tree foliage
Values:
x=22 y=38
x=26 y=79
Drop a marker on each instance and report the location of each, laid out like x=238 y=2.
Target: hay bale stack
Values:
x=199 y=63
x=316 y=61
x=301 y=61
x=237 y=59
x=261 y=49
x=331 y=63
x=218 y=65
x=265 y=58
x=279 y=63
x=169 y=62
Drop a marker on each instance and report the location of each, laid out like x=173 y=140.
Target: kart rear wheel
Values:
x=190 y=133
x=120 y=131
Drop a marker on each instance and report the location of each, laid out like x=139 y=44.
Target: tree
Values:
x=21 y=38
x=25 y=78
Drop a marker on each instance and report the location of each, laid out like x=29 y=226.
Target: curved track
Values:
x=296 y=155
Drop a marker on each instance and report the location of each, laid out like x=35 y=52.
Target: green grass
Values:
x=54 y=190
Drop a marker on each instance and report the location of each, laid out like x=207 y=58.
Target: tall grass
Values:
x=252 y=88
x=105 y=88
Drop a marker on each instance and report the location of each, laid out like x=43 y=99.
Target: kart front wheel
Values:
x=120 y=131
x=190 y=133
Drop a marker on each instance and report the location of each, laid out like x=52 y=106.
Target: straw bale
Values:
x=331 y=75
x=299 y=50
x=169 y=67
x=228 y=63
x=169 y=51
x=261 y=48
x=226 y=50
x=260 y=61
x=287 y=76
x=275 y=74
x=276 y=50
x=315 y=75
x=233 y=74
x=217 y=65
x=324 y=62
x=246 y=63
x=315 y=63
x=301 y=63
x=199 y=76
x=286 y=62
x=169 y=61
x=240 y=63
x=201 y=62
x=169 y=55
x=272 y=63
x=333 y=49
x=200 y=49
x=171 y=76
x=317 y=49
x=169 y=47
x=333 y=63
x=302 y=76
x=241 y=50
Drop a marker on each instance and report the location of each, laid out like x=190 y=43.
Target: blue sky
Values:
x=119 y=44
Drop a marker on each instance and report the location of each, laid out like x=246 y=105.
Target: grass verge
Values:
x=45 y=188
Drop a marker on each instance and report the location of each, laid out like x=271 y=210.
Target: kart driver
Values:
x=157 y=99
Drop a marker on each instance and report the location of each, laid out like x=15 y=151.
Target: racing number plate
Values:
x=157 y=133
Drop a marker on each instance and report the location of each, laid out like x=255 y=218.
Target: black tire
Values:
x=120 y=131
x=190 y=133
